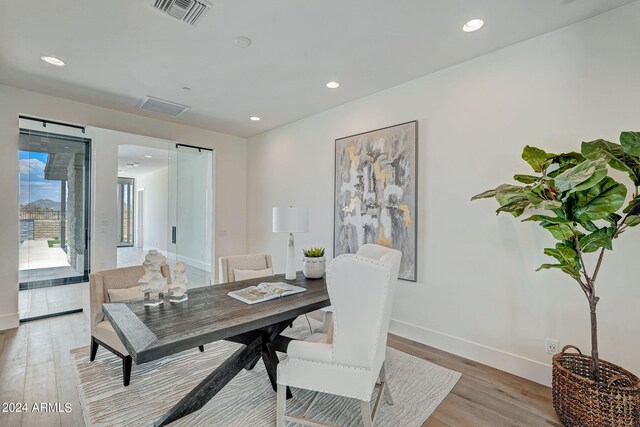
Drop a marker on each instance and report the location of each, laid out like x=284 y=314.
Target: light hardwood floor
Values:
x=484 y=396
x=35 y=367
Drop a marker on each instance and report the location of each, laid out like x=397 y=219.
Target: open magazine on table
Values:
x=265 y=292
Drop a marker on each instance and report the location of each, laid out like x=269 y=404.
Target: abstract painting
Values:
x=375 y=193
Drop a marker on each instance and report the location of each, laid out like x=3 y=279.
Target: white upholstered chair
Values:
x=325 y=332
x=249 y=266
x=115 y=285
x=362 y=289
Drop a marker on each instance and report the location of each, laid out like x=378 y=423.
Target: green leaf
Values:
x=568 y=270
x=506 y=198
x=596 y=240
x=635 y=210
x=550 y=219
x=615 y=156
x=565 y=255
x=581 y=177
x=632 y=221
x=612 y=219
x=565 y=161
x=630 y=142
x=537 y=158
x=589 y=226
x=548 y=205
x=502 y=189
x=599 y=201
x=561 y=231
x=633 y=204
x=526 y=179
x=568 y=159
x=549 y=266
x=600 y=174
x=515 y=208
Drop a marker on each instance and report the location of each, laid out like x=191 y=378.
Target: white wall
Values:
x=231 y=174
x=477 y=294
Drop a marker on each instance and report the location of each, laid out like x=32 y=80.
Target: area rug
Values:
x=248 y=400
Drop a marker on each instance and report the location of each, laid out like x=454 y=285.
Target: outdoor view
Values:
x=51 y=215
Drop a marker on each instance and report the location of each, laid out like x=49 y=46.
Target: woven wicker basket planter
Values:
x=581 y=402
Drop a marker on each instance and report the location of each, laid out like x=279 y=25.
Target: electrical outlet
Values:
x=552 y=346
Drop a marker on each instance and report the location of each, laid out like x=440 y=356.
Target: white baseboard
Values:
x=9 y=321
x=502 y=360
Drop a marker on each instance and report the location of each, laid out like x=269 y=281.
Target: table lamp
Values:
x=290 y=220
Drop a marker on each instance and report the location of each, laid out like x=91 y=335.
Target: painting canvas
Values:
x=375 y=193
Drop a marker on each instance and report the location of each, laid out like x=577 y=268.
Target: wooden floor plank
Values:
x=41 y=387
x=484 y=395
x=15 y=347
x=12 y=384
x=456 y=411
x=40 y=347
x=68 y=394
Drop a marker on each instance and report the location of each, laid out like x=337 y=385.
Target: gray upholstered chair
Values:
x=259 y=263
x=123 y=284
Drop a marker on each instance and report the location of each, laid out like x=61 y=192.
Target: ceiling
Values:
x=119 y=51
x=136 y=153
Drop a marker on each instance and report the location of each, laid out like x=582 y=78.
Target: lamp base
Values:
x=291 y=264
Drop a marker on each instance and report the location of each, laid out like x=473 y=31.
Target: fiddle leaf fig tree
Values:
x=572 y=196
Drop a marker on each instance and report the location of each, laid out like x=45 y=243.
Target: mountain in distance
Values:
x=43 y=204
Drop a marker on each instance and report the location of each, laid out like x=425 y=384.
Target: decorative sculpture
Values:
x=153 y=284
x=178 y=287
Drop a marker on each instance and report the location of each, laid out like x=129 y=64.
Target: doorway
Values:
x=172 y=189
x=54 y=161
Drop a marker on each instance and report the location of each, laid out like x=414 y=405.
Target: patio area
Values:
x=38 y=262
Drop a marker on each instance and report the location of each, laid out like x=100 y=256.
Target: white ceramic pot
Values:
x=313 y=268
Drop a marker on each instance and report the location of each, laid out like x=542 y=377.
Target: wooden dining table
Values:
x=209 y=315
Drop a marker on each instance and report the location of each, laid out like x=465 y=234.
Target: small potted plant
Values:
x=313 y=263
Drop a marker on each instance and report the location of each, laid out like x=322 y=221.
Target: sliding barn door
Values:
x=190 y=213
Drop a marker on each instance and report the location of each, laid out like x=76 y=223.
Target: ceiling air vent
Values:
x=156 y=105
x=189 y=11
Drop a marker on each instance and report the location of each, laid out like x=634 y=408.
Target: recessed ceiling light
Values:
x=148 y=156
x=242 y=42
x=333 y=85
x=53 y=61
x=473 y=25
x=254 y=118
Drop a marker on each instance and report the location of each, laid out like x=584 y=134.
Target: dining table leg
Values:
x=256 y=344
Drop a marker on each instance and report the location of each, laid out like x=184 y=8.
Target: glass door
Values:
x=54 y=233
x=190 y=216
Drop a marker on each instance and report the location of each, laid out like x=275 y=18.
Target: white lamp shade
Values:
x=290 y=220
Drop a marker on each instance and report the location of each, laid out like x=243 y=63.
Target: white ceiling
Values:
x=136 y=153
x=118 y=51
